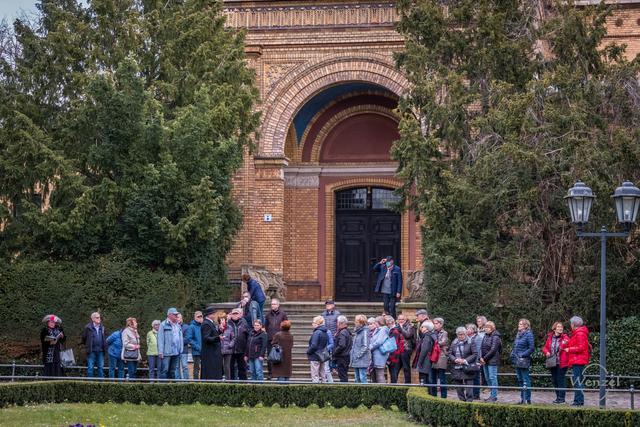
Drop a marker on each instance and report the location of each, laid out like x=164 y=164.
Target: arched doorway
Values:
x=367 y=229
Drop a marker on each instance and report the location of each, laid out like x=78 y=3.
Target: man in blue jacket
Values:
x=389 y=283
x=193 y=338
x=257 y=294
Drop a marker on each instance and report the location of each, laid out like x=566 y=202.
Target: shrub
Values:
x=623 y=347
x=118 y=288
x=439 y=412
x=301 y=395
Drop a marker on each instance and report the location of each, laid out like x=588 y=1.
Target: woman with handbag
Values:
x=317 y=352
x=557 y=361
x=131 y=346
x=284 y=341
x=52 y=338
x=463 y=356
x=523 y=348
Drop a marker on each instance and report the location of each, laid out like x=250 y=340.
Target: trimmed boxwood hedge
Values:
x=218 y=394
x=440 y=412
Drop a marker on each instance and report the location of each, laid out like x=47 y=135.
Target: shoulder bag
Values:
x=275 y=355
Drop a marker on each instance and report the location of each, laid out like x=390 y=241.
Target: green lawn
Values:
x=183 y=415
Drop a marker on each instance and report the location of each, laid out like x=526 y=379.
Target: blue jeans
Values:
x=476 y=383
x=132 y=367
x=524 y=380
x=154 y=366
x=255 y=367
x=182 y=370
x=439 y=374
x=558 y=375
x=491 y=375
x=361 y=375
x=116 y=363
x=578 y=384
x=168 y=367
x=95 y=360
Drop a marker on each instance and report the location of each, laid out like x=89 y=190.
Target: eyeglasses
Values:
x=199 y=316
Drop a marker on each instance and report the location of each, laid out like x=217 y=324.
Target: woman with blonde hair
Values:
x=360 y=355
x=317 y=352
x=523 y=348
x=131 y=346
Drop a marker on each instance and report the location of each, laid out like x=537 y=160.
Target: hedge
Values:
x=301 y=395
x=118 y=288
x=439 y=412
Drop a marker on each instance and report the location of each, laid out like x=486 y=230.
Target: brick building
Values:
x=316 y=193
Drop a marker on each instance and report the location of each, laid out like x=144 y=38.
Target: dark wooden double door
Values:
x=363 y=237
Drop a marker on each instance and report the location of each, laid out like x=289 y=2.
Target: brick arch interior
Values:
x=329 y=116
x=309 y=79
x=327 y=264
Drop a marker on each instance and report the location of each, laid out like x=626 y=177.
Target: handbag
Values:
x=66 y=358
x=522 y=362
x=389 y=345
x=275 y=355
x=551 y=362
x=471 y=369
x=323 y=355
x=130 y=355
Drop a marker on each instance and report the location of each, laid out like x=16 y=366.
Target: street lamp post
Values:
x=627 y=200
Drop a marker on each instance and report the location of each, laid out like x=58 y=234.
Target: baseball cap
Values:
x=422 y=311
x=172 y=310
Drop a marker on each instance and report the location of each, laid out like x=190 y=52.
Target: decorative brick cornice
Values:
x=380 y=14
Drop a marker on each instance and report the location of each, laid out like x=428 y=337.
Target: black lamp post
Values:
x=627 y=201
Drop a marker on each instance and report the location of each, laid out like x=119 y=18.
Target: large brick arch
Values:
x=290 y=94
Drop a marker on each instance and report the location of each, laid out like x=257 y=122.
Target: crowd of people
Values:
x=235 y=346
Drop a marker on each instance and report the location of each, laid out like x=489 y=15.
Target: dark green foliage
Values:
x=622 y=347
x=130 y=119
x=439 y=412
x=117 y=287
x=207 y=394
x=493 y=134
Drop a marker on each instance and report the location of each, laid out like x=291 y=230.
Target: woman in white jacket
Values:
x=131 y=346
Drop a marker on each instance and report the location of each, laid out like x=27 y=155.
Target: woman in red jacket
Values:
x=577 y=350
x=557 y=361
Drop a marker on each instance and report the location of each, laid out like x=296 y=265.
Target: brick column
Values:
x=269 y=201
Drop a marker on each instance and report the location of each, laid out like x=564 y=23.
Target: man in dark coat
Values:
x=388 y=283
x=211 y=353
x=95 y=342
x=272 y=321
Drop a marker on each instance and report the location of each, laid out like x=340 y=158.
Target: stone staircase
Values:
x=301 y=314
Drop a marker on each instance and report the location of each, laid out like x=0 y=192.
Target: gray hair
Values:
x=576 y=321
x=342 y=319
x=461 y=330
x=389 y=320
x=380 y=320
x=473 y=327
x=427 y=324
x=439 y=320
x=481 y=318
x=155 y=322
x=371 y=320
x=276 y=300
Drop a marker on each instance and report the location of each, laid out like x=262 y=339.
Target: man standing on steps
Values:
x=272 y=322
x=257 y=294
x=389 y=283
x=330 y=316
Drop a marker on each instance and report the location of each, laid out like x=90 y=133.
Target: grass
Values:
x=126 y=414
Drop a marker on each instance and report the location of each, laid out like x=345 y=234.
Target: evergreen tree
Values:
x=510 y=103
x=130 y=117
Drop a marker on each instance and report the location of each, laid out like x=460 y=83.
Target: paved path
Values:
x=614 y=399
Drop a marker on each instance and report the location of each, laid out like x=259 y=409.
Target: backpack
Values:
x=435 y=352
